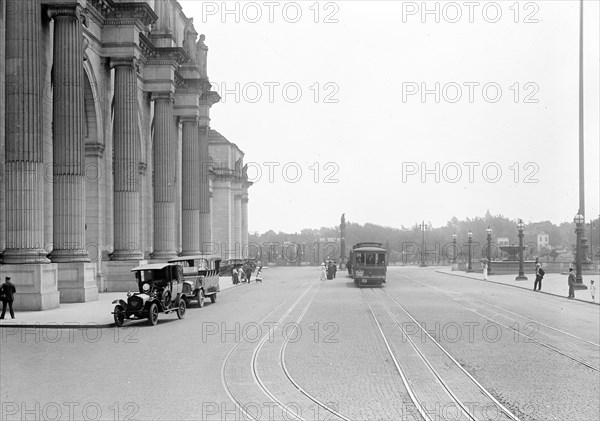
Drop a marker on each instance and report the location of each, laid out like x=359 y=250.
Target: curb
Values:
x=514 y=286
x=90 y=325
x=55 y=325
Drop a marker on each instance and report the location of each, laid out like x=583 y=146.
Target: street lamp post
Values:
x=470 y=236
x=454 y=248
x=521 y=276
x=489 y=250
x=579 y=226
x=423 y=226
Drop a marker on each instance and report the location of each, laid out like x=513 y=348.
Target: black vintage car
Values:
x=160 y=291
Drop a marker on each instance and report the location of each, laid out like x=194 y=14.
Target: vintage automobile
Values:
x=200 y=277
x=160 y=290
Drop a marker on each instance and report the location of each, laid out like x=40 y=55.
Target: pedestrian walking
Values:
x=7 y=296
x=539 y=275
x=334 y=269
x=571 y=281
x=235 y=276
x=593 y=290
x=323 y=271
x=485 y=269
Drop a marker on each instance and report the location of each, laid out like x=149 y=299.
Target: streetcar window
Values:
x=381 y=258
x=370 y=258
x=360 y=258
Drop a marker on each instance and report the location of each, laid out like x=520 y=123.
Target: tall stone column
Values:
x=24 y=145
x=76 y=274
x=25 y=257
x=205 y=197
x=68 y=136
x=164 y=157
x=126 y=148
x=191 y=185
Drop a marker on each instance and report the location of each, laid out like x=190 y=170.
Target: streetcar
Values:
x=368 y=264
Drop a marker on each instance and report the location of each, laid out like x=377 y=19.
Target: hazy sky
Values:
x=325 y=99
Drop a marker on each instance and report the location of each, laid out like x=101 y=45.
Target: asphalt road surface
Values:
x=427 y=346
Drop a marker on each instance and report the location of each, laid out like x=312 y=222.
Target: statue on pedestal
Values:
x=189 y=41
x=201 y=55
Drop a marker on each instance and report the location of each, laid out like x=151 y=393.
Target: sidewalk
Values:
x=93 y=314
x=552 y=284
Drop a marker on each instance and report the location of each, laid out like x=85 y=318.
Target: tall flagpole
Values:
x=581 y=150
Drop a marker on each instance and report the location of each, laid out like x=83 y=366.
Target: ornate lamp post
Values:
x=454 y=248
x=423 y=227
x=470 y=236
x=579 y=224
x=489 y=250
x=521 y=276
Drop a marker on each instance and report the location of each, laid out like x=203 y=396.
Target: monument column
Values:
x=164 y=177
x=126 y=148
x=205 y=208
x=25 y=257
x=68 y=136
x=245 y=221
x=191 y=187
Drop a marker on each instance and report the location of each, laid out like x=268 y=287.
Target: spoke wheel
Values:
x=153 y=314
x=201 y=298
x=181 y=309
x=119 y=316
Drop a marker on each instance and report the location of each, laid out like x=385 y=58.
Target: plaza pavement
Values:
x=97 y=314
x=93 y=314
x=553 y=283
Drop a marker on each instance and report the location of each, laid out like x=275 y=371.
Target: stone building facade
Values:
x=105 y=147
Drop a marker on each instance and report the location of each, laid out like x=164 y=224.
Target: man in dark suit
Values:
x=539 y=275
x=571 y=283
x=7 y=293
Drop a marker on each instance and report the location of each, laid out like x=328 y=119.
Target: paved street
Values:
x=428 y=345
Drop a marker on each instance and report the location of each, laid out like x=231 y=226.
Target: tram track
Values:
x=292 y=400
x=445 y=375
x=584 y=344
x=227 y=385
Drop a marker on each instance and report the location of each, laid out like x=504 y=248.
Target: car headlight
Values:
x=146 y=287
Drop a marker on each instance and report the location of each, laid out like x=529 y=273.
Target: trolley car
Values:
x=368 y=264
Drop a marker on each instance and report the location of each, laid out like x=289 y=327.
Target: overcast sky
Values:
x=328 y=97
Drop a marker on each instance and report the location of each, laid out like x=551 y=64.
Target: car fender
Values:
x=120 y=302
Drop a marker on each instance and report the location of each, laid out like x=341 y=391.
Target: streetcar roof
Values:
x=370 y=249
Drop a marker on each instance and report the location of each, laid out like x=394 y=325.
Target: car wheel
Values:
x=213 y=298
x=119 y=316
x=201 y=297
x=181 y=309
x=153 y=314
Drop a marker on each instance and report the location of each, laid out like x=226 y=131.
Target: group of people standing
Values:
x=243 y=274
x=328 y=270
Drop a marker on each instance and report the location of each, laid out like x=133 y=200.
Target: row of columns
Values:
x=25 y=160
x=24 y=140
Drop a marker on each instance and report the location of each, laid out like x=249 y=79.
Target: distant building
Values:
x=503 y=241
x=543 y=241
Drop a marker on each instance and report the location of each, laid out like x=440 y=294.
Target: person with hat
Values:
x=7 y=296
x=539 y=275
x=593 y=290
x=571 y=281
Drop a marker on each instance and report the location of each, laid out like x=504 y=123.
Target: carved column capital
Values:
x=163 y=95
x=67 y=9
x=123 y=61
